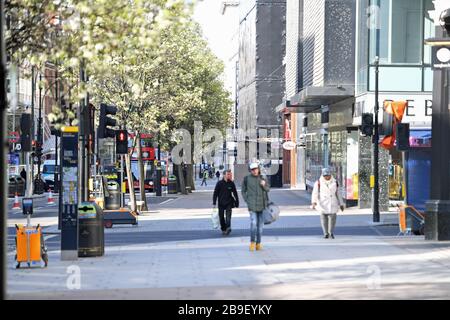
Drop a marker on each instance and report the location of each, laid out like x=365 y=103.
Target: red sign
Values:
x=14 y=137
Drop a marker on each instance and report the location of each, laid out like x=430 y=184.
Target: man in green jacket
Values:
x=254 y=191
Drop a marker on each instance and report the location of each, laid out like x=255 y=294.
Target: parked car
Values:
x=16 y=184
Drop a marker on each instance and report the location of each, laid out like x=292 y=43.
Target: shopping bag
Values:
x=215 y=218
x=271 y=213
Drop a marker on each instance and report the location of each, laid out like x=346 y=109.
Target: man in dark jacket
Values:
x=226 y=192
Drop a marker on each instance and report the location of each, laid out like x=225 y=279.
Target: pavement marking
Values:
x=50 y=236
x=168 y=200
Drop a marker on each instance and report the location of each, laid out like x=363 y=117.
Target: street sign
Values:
x=18 y=147
x=441 y=57
x=13 y=137
x=289 y=145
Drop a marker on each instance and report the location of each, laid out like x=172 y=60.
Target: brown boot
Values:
x=258 y=246
x=252 y=246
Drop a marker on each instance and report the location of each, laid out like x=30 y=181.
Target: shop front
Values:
x=404 y=176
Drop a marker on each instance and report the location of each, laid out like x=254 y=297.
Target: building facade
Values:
x=335 y=83
x=321 y=65
x=261 y=77
x=394 y=30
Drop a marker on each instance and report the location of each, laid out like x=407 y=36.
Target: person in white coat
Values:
x=327 y=199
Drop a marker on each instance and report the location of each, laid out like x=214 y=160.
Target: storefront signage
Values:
x=418 y=112
x=289 y=145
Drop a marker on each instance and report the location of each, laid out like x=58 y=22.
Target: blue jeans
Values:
x=256 y=226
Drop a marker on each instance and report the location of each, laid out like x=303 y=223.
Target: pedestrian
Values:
x=327 y=199
x=225 y=191
x=23 y=174
x=254 y=191
x=218 y=175
x=205 y=177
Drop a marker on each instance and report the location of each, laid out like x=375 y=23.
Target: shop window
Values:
x=399 y=39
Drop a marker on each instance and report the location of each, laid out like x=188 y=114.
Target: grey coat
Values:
x=254 y=194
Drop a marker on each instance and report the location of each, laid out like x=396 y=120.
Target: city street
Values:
x=145 y=120
x=174 y=253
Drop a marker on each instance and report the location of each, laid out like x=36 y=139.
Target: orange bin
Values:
x=29 y=244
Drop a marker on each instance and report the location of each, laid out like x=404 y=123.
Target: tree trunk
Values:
x=130 y=182
x=190 y=176
x=141 y=173
x=181 y=177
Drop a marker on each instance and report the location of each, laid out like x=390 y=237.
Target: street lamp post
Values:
x=376 y=138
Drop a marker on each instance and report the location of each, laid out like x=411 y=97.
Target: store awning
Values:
x=312 y=98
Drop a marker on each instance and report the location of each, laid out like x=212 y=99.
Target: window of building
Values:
x=399 y=39
x=396 y=35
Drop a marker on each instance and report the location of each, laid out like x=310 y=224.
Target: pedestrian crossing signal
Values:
x=121 y=142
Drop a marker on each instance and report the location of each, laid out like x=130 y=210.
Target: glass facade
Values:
x=326 y=145
x=315 y=153
x=394 y=30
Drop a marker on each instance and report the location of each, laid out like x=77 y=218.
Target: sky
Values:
x=221 y=33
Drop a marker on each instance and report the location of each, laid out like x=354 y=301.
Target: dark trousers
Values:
x=225 y=221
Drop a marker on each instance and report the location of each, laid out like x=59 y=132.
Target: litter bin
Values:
x=91 y=233
x=112 y=196
x=172 y=185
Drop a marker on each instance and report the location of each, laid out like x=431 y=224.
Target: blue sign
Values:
x=13 y=159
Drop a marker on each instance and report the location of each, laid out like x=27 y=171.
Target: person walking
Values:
x=225 y=191
x=218 y=175
x=254 y=191
x=205 y=177
x=23 y=174
x=327 y=199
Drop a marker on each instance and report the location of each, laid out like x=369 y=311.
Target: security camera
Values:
x=445 y=20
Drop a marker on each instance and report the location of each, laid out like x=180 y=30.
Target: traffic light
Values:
x=25 y=132
x=402 y=135
x=105 y=121
x=38 y=149
x=121 y=142
x=367 y=124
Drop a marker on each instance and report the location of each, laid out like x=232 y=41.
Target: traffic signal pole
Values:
x=375 y=156
x=437 y=217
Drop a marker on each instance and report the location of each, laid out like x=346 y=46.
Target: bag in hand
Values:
x=215 y=218
x=271 y=213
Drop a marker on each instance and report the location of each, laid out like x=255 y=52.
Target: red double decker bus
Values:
x=148 y=158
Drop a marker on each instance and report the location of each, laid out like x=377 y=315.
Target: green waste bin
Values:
x=172 y=185
x=91 y=233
